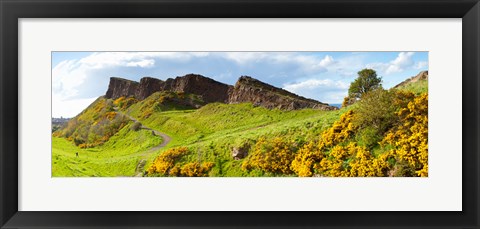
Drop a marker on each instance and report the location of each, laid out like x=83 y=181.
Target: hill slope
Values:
x=114 y=136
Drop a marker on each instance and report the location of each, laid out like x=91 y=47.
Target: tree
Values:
x=367 y=80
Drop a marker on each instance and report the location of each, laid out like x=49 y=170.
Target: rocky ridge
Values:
x=247 y=89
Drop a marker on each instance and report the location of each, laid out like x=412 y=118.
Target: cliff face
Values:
x=248 y=89
x=209 y=89
x=119 y=87
x=148 y=86
x=423 y=75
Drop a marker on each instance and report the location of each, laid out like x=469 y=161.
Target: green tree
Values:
x=367 y=80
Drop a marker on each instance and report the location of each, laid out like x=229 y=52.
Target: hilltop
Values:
x=247 y=89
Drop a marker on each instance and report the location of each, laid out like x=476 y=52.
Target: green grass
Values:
x=212 y=131
x=417 y=88
x=117 y=157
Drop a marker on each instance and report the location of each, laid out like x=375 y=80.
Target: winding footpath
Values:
x=166 y=139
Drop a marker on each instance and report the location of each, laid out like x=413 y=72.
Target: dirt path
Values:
x=166 y=139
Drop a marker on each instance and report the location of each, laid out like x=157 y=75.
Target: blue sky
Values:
x=78 y=78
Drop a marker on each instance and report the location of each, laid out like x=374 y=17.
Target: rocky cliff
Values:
x=423 y=75
x=247 y=89
x=209 y=89
x=119 y=87
x=148 y=86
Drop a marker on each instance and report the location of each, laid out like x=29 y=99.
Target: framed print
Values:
x=239 y=114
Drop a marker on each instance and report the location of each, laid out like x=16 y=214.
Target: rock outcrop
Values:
x=248 y=89
x=423 y=75
x=119 y=87
x=147 y=87
x=239 y=152
x=210 y=90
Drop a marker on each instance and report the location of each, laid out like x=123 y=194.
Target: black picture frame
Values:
x=12 y=10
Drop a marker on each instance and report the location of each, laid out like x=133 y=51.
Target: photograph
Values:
x=239 y=114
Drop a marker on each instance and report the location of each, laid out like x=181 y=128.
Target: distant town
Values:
x=57 y=123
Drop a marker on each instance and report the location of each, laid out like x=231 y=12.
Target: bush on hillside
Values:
x=274 y=156
x=410 y=139
x=195 y=169
x=136 y=126
x=376 y=110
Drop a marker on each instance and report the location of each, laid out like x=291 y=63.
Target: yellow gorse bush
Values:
x=273 y=156
x=169 y=164
x=124 y=103
x=410 y=139
x=307 y=159
x=165 y=162
x=195 y=169
x=339 y=132
x=337 y=155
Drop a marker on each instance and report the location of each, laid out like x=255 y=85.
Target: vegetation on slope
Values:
x=117 y=157
x=94 y=126
x=382 y=134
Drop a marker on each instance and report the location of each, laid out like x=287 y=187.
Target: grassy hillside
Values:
x=368 y=138
x=117 y=157
x=213 y=131
x=418 y=87
x=94 y=125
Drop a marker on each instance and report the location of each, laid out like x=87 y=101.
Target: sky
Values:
x=78 y=78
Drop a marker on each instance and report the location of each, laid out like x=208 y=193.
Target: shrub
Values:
x=171 y=163
x=347 y=101
x=410 y=139
x=78 y=141
x=165 y=163
x=368 y=137
x=195 y=169
x=273 y=156
x=340 y=131
x=305 y=159
x=136 y=126
x=377 y=110
x=94 y=125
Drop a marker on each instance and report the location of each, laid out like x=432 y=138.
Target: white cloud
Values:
x=69 y=108
x=146 y=59
x=245 y=57
x=315 y=84
x=421 y=64
x=306 y=63
x=327 y=61
x=323 y=90
x=141 y=63
x=400 y=64
x=404 y=59
x=66 y=77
